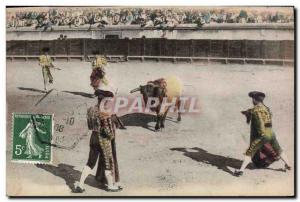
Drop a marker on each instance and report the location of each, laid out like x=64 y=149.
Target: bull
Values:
x=169 y=88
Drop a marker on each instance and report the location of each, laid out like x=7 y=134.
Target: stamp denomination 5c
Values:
x=32 y=135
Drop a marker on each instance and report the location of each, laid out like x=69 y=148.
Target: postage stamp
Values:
x=32 y=135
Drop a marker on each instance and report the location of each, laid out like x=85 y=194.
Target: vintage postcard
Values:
x=150 y=101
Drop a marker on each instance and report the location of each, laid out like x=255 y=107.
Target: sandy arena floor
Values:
x=193 y=157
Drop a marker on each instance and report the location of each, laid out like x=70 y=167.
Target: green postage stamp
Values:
x=32 y=135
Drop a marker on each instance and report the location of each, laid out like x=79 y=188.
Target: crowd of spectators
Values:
x=144 y=17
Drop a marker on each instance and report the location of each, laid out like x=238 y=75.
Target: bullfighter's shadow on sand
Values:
x=70 y=175
x=32 y=89
x=83 y=94
x=201 y=155
x=221 y=162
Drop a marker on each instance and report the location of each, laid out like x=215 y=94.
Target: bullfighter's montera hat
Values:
x=259 y=96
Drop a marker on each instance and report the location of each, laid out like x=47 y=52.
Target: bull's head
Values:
x=148 y=90
x=136 y=89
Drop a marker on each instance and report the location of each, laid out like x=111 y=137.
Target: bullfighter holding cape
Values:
x=264 y=148
x=102 y=145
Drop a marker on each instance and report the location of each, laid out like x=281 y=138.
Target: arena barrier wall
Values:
x=244 y=51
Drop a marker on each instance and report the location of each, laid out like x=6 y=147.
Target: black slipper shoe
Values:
x=238 y=173
x=79 y=190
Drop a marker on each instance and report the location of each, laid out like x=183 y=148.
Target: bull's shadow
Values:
x=139 y=120
x=70 y=175
x=201 y=155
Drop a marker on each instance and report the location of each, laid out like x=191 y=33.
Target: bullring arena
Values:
x=194 y=157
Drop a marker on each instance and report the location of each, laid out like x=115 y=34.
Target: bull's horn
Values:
x=153 y=85
x=135 y=90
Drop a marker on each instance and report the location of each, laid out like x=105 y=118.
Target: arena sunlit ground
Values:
x=193 y=157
